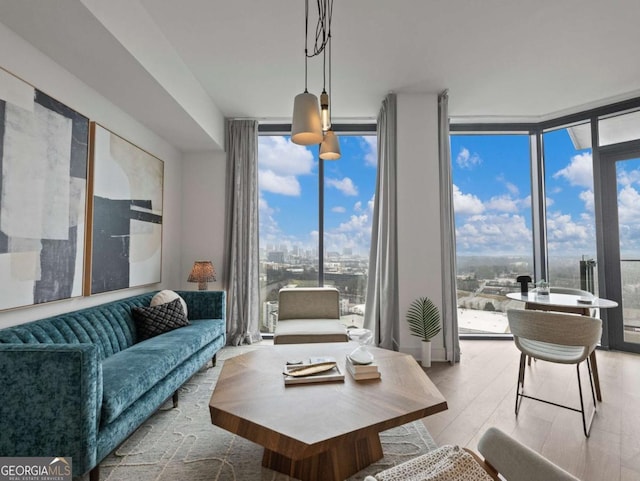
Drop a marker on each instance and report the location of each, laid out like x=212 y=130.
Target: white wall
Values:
x=419 y=262
x=203 y=222
x=24 y=61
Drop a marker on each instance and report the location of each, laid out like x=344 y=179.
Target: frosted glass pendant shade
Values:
x=306 y=128
x=330 y=148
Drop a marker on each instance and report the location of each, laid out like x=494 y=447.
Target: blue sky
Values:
x=492 y=195
x=288 y=175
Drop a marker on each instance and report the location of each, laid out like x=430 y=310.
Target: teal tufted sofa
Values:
x=78 y=384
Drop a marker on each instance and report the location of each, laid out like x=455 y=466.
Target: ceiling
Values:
x=500 y=59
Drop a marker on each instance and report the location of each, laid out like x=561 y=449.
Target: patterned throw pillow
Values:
x=167 y=295
x=155 y=320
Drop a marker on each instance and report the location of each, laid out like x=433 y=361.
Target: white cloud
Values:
x=466 y=160
x=354 y=234
x=628 y=202
x=345 y=185
x=279 y=184
x=563 y=232
x=283 y=157
x=586 y=196
x=357 y=207
x=498 y=234
x=466 y=204
x=628 y=178
x=264 y=208
x=579 y=172
x=269 y=229
x=512 y=188
x=339 y=209
x=371 y=155
x=502 y=203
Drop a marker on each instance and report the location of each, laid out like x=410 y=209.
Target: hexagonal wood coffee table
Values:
x=322 y=431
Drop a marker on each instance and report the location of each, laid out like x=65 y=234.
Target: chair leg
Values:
x=593 y=392
x=586 y=426
x=523 y=359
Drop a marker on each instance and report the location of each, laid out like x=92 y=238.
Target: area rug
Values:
x=182 y=445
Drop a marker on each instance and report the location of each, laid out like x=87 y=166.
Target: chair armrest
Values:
x=516 y=462
x=205 y=304
x=50 y=398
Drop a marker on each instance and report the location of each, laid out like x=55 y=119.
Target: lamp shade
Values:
x=202 y=272
x=330 y=148
x=306 y=128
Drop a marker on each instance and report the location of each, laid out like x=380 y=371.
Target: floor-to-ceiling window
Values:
x=583 y=187
x=304 y=200
x=492 y=204
x=570 y=215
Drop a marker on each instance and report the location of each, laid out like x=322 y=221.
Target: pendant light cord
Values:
x=306 y=50
x=323 y=27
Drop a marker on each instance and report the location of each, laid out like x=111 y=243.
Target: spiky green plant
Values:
x=424 y=318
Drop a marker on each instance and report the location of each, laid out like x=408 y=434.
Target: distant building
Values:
x=270 y=316
x=276 y=256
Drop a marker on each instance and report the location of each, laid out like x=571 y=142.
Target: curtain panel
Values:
x=241 y=234
x=448 y=235
x=382 y=304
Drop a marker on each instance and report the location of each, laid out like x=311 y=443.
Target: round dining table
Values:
x=571 y=303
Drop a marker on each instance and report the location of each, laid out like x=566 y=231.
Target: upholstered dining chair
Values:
x=559 y=338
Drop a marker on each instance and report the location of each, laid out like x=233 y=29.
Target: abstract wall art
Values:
x=43 y=185
x=126 y=209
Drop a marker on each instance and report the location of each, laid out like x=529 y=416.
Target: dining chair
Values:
x=559 y=338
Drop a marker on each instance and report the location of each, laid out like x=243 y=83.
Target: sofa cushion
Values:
x=154 y=320
x=167 y=295
x=129 y=374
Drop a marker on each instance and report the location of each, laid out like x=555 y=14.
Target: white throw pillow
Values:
x=163 y=297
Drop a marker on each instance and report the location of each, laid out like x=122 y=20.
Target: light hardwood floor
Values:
x=480 y=392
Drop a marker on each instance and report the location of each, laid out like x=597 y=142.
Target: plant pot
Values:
x=426 y=353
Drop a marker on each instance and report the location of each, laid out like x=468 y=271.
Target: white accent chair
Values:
x=559 y=338
x=309 y=314
x=502 y=454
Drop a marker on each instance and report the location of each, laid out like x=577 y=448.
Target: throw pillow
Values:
x=154 y=320
x=167 y=295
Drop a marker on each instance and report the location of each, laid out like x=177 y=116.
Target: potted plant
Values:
x=424 y=322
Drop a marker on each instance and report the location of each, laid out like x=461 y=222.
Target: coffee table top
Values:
x=251 y=399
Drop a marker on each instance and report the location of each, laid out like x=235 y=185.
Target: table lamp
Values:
x=202 y=272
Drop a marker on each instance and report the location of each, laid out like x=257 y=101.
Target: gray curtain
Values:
x=381 y=308
x=241 y=234
x=448 y=236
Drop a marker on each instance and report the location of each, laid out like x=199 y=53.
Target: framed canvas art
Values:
x=43 y=185
x=126 y=210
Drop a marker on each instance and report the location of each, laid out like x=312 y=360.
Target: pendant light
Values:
x=306 y=128
x=330 y=147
